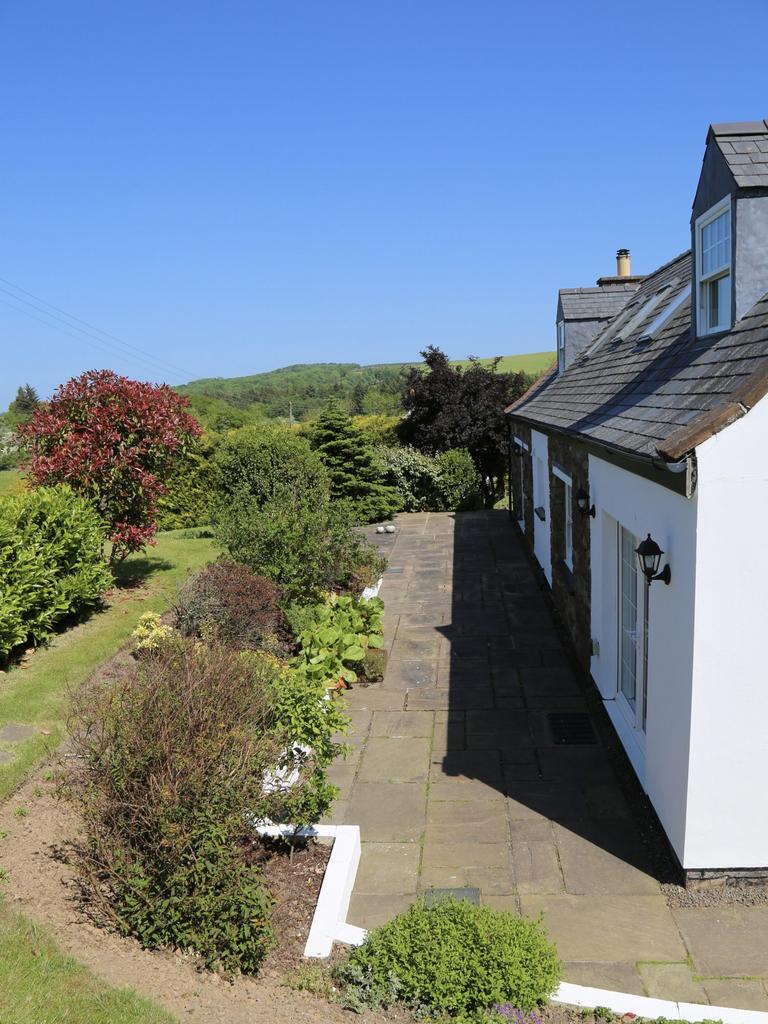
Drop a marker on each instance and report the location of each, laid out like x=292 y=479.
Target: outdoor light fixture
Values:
x=649 y=555
x=582 y=503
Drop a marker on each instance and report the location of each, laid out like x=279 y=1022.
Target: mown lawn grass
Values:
x=36 y=693
x=10 y=481
x=41 y=985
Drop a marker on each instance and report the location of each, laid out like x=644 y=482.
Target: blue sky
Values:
x=231 y=187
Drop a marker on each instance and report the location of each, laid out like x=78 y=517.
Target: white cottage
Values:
x=654 y=424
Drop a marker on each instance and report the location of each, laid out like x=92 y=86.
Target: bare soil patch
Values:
x=41 y=885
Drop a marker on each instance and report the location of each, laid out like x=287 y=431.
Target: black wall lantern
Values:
x=649 y=555
x=582 y=503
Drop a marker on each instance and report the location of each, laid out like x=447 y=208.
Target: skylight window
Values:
x=647 y=308
x=667 y=313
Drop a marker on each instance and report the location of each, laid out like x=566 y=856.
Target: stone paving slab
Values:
x=388 y=811
x=726 y=940
x=609 y=928
x=672 y=981
x=742 y=993
x=395 y=759
x=455 y=779
x=388 y=868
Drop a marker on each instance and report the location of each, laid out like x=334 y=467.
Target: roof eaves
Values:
x=546 y=376
x=712 y=421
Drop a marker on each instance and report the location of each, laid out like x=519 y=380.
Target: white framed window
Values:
x=632 y=696
x=713 y=268
x=568 y=521
x=560 y=346
x=567 y=491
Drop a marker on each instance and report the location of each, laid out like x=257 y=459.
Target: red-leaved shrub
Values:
x=229 y=603
x=115 y=441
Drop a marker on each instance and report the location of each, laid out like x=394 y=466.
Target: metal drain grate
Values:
x=467 y=892
x=571 y=728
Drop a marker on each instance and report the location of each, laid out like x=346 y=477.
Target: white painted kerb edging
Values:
x=642 y=1006
x=330 y=918
x=373 y=591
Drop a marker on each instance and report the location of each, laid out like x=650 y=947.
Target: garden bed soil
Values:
x=40 y=884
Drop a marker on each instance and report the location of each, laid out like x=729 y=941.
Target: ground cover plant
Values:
x=335 y=638
x=197 y=739
x=36 y=693
x=114 y=441
x=51 y=563
x=452 y=958
x=231 y=604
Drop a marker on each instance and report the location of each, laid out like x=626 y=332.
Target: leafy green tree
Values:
x=355 y=473
x=450 y=407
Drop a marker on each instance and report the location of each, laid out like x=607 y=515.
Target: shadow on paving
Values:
x=510 y=684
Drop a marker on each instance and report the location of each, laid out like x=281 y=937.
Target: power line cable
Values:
x=79 y=337
x=106 y=338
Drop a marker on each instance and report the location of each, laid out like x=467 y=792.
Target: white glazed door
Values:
x=631 y=697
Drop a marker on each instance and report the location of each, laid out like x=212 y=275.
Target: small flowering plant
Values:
x=508 y=1012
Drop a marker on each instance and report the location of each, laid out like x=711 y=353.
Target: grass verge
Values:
x=36 y=693
x=10 y=481
x=41 y=985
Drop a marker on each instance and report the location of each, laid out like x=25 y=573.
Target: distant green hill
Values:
x=305 y=387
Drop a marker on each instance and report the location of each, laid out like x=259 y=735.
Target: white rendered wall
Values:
x=541 y=530
x=660 y=757
x=728 y=799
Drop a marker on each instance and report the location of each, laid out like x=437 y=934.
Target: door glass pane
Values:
x=628 y=617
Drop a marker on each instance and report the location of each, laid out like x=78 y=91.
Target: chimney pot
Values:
x=622 y=263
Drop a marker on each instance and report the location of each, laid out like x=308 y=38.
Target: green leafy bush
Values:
x=414 y=476
x=333 y=646
x=377 y=428
x=458 y=482
x=448 y=482
x=355 y=473
x=176 y=756
x=302 y=542
x=227 y=602
x=453 y=958
x=307 y=727
x=261 y=464
x=51 y=562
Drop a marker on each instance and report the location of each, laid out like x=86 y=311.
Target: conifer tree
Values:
x=352 y=466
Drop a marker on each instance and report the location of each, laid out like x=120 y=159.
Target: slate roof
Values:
x=595 y=303
x=658 y=396
x=745 y=148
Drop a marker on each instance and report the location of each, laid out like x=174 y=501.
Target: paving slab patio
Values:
x=456 y=779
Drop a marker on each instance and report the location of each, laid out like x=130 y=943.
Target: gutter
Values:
x=678 y=474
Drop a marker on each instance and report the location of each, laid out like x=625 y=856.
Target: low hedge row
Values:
x=51 y=563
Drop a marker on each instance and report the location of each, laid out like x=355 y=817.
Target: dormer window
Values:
x=713 y=268
x=560 y=346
